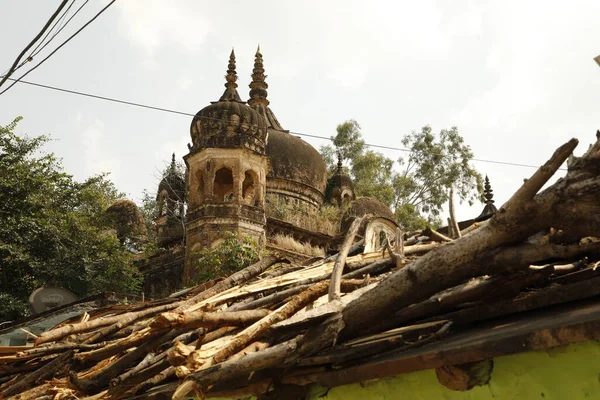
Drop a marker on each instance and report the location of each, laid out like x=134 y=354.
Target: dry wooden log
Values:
x=47 y=350
x=201 y=319
x=271 y=299
x=117 y=347
x=44 y=372
x=255 y=331
x=371 y=269
x=31 y=394
x=399 y=243
x=453 y=221
x=70 y=329
x=476 y=290
x=147 y=361
x=472 y=228
x=103 y=377
x=537 y=299
x=156 y=379
x=436 y=236
x=233 y=280
x=281 y=271
x=340 y=261
x=273 y=356
x=420 y=248
x=570 y=204
x=251 y=348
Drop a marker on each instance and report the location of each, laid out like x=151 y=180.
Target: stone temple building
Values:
x=240 y=161
x=243 y=171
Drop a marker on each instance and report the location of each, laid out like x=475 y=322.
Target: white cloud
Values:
x=97 y=154
x=153 y=23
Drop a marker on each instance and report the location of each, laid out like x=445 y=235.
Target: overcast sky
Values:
x=516 y=77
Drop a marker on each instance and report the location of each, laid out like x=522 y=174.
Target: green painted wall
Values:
x=566 y=373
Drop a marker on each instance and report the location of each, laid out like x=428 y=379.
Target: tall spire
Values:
x=339 y=164
x=231 y=93
x=173 y=167
x=258 y=86
x=258 y=93
x=488 y=193
x=489 y=209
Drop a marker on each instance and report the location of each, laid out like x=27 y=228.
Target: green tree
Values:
x=53 y=230
x=433 y=165
x=233 y=253
x=417 y=190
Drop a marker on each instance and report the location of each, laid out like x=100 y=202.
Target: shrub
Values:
x=234 y=253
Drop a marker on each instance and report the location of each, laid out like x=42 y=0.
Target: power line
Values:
x=56 y=23
x=134 y=104
x=62 y=27
x=59 y=47
x=35 y=39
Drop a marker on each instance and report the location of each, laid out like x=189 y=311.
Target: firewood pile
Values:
x=275 y=322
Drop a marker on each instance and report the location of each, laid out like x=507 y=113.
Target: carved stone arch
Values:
x=250 y=188
x=376 y=232
x=223 y=184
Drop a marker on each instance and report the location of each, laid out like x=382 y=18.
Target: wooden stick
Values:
x=336 y=274
x=43 y=373
x=201 y=319
x=70 y=329
x=436 y=236
x=273 y=356
x=235 y=279
x=455 y=229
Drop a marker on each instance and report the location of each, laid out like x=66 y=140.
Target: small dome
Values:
x=173 y=183
x=364 y=206
x=127 y=219
x=294 y=159
x=340 y=187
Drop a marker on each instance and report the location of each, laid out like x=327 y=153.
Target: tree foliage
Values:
x=234 y=253
x=418 y=188
x=53 y=229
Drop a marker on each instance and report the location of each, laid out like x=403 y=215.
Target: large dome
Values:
x=293 y=159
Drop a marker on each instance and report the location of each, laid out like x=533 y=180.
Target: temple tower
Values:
x=227 y=172
x=170 y=198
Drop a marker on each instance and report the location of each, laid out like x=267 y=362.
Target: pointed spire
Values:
x=339 y=164
x=489 y=209
x=488 y=193
x=258 y=86
x=231 y=93
x=173 y=164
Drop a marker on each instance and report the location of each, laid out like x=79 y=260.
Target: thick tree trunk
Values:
x=571 y=205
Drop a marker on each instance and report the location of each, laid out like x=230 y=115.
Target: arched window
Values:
x=223 y=187
x=249 y=188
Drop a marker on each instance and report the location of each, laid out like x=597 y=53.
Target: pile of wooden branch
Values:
x=275 y=322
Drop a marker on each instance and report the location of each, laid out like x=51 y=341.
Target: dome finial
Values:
x=231 y=93
x=488 y=193
x=173 y=164
x=339 y=164
x=258 y=86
